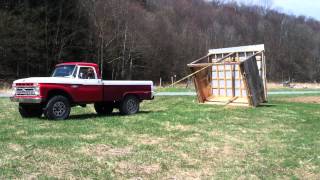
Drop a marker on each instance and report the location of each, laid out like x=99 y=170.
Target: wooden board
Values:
x=253 y=81
x=226 y=99
x=202 y=83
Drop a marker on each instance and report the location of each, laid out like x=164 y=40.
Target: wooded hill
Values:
x=149 y=39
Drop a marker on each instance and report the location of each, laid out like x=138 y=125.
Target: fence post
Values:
x=172 y=81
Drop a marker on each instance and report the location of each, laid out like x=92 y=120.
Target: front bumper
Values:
x=36 y=100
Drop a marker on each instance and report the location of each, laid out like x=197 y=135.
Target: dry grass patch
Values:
x=15 y=147
x=305 y=99
x=148 y=140
x=205 y=171
x=89 y=136
x=125 y=167
x=21 y=132
x=101 y=151
x=219 y=153
x=178 y=127
x=305 y=172
x=53 y=136
x=47 y=153
x=196 y=137
x=49 y=163
x=295 y=85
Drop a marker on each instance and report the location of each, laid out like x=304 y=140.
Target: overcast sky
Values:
x=309 y=8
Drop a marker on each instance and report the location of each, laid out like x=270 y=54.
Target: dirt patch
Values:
x=101 y=151
x=295 y=85
x=141 y=169
x=306 y=99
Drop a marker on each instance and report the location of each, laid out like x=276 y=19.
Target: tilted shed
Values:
x=235 y=76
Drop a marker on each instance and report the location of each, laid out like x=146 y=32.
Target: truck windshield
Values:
x=63 y=71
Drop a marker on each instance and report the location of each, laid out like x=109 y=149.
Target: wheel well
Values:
x=60 y=92
x=132 y=94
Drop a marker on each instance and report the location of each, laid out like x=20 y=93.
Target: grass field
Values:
x=172 y=137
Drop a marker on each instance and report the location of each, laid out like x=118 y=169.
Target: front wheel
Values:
x=58 y=108
x=130 y=105
x=30 y=110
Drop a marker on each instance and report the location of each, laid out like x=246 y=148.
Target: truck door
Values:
x=90 y=87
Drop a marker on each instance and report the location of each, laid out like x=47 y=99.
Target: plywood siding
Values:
x=202 y=83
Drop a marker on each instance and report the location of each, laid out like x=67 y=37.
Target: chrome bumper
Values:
x=27 y=100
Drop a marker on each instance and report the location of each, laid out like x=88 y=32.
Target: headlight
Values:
x=37 y=91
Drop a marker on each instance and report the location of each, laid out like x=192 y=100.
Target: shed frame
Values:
x=231 y=76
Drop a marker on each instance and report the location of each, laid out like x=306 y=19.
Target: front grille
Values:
x=25 y=91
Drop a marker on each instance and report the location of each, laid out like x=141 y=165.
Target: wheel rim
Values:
x=59 y=109
x=132 y=105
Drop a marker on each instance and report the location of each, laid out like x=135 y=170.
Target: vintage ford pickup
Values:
x=78 y=83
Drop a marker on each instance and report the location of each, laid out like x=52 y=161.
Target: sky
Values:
x=308 y=8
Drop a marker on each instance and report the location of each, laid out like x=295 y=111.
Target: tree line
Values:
x=149 y=39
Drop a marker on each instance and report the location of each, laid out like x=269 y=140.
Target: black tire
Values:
x=30 y=110
x=103 y=108
x=58 y=108
x=130 y=105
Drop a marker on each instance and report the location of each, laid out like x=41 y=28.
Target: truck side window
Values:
x=87 y=73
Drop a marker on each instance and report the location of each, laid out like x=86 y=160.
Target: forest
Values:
x=149 y=39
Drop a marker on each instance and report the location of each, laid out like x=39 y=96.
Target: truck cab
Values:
x=78 y=83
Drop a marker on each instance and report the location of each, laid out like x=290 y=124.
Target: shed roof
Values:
x=250 y=48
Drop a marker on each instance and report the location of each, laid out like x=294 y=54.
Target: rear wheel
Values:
x=58 y=108
x=130 y=105
x=103 y=108
x=30 y=110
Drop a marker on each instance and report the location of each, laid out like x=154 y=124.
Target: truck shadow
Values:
x=93 y=115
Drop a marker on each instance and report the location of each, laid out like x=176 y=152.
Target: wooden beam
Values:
x=210 y=64
x=231 y=100
x=207 y=65
x=199 y=59
x=253 y=56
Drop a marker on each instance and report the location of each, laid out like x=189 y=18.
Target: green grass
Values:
x=172 y=137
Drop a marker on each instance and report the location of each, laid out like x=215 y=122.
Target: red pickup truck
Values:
x=78 y=83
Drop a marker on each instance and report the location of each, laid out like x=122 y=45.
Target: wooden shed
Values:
x=234 y=76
